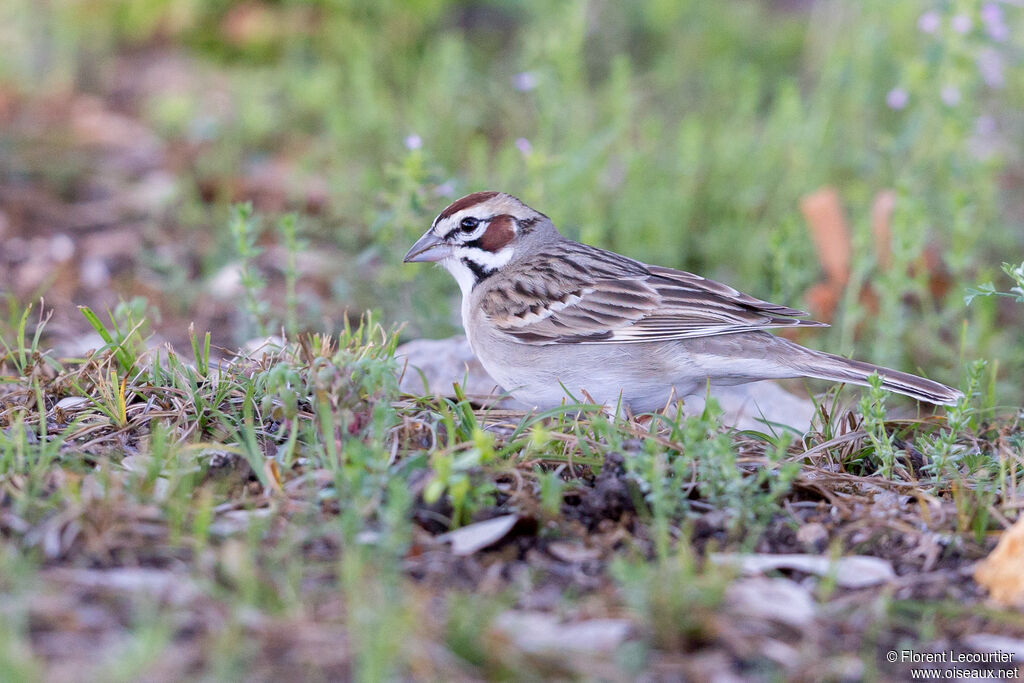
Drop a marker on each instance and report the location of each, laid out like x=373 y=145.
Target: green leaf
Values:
x=985 y=290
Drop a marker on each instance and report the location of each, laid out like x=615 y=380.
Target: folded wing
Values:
x=595 y=296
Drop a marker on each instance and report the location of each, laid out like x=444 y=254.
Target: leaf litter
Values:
x=102 y=520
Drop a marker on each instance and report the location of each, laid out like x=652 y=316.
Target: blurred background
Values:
x=863 y=160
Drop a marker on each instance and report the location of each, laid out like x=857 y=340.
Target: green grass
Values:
x=199 y=513
x=682 y=133
x=296 y=494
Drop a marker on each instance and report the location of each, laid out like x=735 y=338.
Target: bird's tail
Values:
x=820 y=365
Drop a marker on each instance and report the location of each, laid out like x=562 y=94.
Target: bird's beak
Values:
x=430 y=247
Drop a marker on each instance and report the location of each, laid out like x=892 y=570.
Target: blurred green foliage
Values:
x=678 y=132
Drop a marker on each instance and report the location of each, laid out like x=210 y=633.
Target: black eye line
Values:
x=479 y=221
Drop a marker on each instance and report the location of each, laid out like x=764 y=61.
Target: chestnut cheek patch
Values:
x=499 y=233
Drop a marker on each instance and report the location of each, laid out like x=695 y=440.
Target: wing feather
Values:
x=556 y=299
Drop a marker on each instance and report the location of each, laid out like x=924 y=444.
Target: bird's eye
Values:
x=469 y=224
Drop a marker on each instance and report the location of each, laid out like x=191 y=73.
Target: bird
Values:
x=550 y=318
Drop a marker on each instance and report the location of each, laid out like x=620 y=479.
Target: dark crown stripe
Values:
x=464 y=203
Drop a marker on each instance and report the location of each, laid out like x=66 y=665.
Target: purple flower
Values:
x=990 y=66
x=897 y=98
x=413 y=142
x=961 y=23
x=524 y=146
x=992 y=17
x=929 y=22
x=445 y=189
x=985 y=125
x=524 y=81
x=950 y=95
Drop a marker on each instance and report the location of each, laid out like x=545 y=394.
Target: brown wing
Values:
x=556 y=299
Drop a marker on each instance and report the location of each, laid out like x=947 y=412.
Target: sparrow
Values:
x=549 y=317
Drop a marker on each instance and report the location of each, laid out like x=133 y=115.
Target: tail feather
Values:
x=822 y=365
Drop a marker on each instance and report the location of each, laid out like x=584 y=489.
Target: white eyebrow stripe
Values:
x=454 y=220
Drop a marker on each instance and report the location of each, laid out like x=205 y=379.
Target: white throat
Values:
x=462 y=274
x=467 y=279
x=488 y=261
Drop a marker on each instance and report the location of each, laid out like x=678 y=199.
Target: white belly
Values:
x=642 y=376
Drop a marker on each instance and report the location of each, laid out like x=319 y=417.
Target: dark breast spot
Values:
x=464 y=203
x=500 y=232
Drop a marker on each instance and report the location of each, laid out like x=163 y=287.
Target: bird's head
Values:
x=478 y=235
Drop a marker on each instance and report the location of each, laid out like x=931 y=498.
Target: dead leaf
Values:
x=813 y=536
x=539 y=632
x=823 y=212
x=853 y=571
x=256 y=23
x=780 y=600
x=573 y=552
x=939 y=279
x=167 y=586
x=235 y=521
x=70 y=403
x=993 y=642
x=881 y=213
x=1002 y=572
x=249 y=22
x=822 y=300
x=473 y=537
x=273 y=476
x=93 y=123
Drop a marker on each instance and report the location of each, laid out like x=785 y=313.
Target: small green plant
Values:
x=125 y=337
x=675 y=597
x=945 y=450
x=21 y=352
x=200 y=352
x=294 y=245
x=552 y=488
x=872 y=408
x=244 y=231
x=467 y=622
x=455 y=472
x=696 y=455
x=1016 y=273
